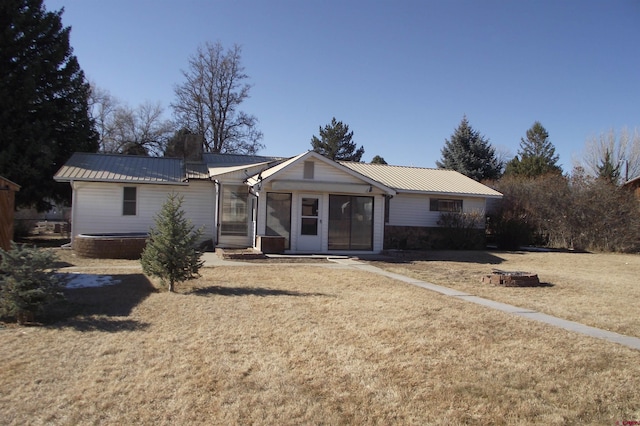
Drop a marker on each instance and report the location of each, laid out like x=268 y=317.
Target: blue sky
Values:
x=400 y=73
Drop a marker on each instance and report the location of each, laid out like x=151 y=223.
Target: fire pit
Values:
x=511 y=278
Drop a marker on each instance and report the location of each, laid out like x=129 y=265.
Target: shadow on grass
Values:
x=102 y=308
x=58 y=264
x=106 y=324
x=52 y=241
x=249 y=291
x=408 y=256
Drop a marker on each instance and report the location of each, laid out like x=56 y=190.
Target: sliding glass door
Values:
x=350 y=222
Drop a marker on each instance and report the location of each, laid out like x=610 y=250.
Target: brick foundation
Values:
x=109 y=247
x=423 y=238
x=270 y=244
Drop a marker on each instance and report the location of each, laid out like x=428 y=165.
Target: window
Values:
x=308 y=169
x=234 y=218
x=445 y=205
x=350 y=222
x=309 y=216
x=387 y=202
x=129 y=203
x=279 y=215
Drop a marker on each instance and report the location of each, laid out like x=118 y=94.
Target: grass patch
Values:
x=312 y=345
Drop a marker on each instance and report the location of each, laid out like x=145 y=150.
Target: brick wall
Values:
x=424 y=238
x=109 y=247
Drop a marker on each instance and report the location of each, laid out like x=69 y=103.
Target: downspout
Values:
x=255 y=208
x=217 y=214
x=254 y=216
x=73 y=210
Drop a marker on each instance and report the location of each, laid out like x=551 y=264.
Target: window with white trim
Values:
x=129 y=201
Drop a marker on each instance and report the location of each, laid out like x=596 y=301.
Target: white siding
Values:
x=322 y=173
x=413 y=210
x=98 y=207
x=378 y=223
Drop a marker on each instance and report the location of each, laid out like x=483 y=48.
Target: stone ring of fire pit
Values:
x=511 y=279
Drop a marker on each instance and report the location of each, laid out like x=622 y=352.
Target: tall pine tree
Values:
x=44 y=113
x=536 y=156
x=171 y=253
x=335 y=142
x=470 y=153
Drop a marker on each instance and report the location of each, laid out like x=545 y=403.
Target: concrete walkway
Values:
x=631 y=342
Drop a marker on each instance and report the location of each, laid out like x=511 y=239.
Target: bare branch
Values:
x=207 y=102
x=622 y=150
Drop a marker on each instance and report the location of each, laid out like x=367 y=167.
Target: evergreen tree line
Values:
x=584 y=210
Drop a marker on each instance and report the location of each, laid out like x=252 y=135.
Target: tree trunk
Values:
x=171 y=288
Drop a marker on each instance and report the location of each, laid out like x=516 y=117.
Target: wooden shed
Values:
x=8 y=191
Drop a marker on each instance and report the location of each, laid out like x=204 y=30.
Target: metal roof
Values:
x=225 y=160
x=218 y=170
x=122 y=168
x=138 y=169
x=275 y=169
x=196 y=170
x=416 y=179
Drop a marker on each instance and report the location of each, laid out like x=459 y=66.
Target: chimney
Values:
x=192 y=147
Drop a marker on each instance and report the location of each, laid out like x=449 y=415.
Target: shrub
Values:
x=28 y=282
x=579 y=212
x=510 y=230
x=462 y=231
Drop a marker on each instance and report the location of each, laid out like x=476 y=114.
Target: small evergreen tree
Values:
x=335 y=142
x=28 y=282
x=470 y=153
x=171 y=253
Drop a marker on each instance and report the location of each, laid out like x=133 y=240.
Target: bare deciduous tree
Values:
x=124 y=130
x=622 y=151
x=208 y=101
x=102 y=106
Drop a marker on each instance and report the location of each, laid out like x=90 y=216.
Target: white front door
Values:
x=310 y=224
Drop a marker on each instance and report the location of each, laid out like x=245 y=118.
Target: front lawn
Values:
x=279 y=344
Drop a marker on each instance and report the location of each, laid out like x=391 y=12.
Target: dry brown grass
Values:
x=305 y=345
x=600 y=290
